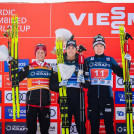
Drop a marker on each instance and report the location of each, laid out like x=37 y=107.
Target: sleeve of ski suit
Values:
x=23 y=73
x=116 y=68
x=54 y=84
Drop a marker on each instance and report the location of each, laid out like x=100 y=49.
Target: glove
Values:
x=63 y=83
x=81 y=79
x=127 y=57
x=9 y=59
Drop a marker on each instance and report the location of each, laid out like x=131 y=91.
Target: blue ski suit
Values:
x=100 y=95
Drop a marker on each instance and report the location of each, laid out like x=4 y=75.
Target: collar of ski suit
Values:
x=39 y=63
x=99 y=56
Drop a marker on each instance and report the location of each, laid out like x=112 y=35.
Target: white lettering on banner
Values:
x=4 y=19
x=76 y=21
x=101 y=18
x=7 y=12
x=117 y=16
x=130 y=18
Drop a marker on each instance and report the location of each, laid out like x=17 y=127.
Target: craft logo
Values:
x=15 y=127
x=117 y=15
x=22 y=96
x=120 y=97
x=120 y=82
x=21 y=64
x=37 y=73
x=9 y=113
x=96 y=64
x=53 y=112
x=7 y=82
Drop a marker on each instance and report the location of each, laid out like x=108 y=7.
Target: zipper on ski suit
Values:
x=98 y=91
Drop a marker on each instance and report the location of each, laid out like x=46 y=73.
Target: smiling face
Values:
x=99 y=49
x=71 y=51
x=40 y=55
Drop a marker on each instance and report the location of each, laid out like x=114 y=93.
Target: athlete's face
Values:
x=99 y=49
x=40 y=55
x=71 y=51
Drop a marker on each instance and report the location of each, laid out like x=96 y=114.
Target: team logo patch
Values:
x=92 y=58
x=107 y=59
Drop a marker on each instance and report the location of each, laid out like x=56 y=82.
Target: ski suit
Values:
x=41 y=79
x=73 y=94
x=100 y=96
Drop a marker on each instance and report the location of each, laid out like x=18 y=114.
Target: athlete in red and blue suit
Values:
x=100 y=95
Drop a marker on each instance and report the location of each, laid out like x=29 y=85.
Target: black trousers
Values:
x=106 y=106
x=74 y=109
x=43 y=115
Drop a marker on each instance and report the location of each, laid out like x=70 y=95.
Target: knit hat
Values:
x=42 y=47
x=99 y=39
x=71 y=43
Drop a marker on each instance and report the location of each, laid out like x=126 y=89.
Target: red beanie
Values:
x=42 y=47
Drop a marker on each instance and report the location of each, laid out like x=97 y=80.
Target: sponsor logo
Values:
x=39 y=73
x=15 y=127
x=40 y=82
x=53 y=128
x=53 y=112
x=8 y=96
x=9 y=113
x=121 y=113
x=120 y=82
x=7 y=83
x=121 y=128
x=117 y=15
x=53 y=97
x=120 y=97
x=99 y=64
x=21 y=64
